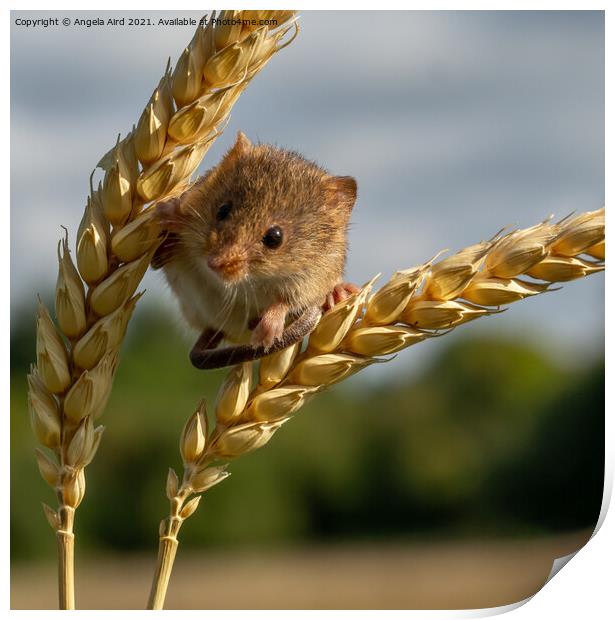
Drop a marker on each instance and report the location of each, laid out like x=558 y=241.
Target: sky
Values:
x=454 y=124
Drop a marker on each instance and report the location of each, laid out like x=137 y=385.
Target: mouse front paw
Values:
x=268 y=330
x=340 y=292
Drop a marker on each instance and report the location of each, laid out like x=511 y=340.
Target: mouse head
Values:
x=263 y=213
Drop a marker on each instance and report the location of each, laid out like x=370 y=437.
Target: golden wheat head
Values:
x=415 y=304
x=76 y=358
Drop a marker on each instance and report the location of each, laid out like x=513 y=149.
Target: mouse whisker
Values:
x=199 y=216
x=254 y=297
x=224 y=313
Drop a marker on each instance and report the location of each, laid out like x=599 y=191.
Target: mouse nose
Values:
x=226 y=265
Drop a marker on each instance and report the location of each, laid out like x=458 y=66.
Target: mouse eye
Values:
x=273 y=237
x=224 y=211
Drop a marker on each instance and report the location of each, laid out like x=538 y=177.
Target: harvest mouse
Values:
x=258 y=241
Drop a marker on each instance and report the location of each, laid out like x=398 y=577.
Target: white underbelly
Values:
x=207 y=303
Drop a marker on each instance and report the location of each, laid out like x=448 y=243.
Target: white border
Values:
x=584 y=586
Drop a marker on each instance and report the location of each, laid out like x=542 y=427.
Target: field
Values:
x=425 y=575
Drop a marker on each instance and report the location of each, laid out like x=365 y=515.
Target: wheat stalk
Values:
x=415 y=304
x=77 y=359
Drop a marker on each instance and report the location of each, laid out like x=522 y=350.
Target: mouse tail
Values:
x=210 y=357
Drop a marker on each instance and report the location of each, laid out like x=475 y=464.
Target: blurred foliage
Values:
x=492 y=438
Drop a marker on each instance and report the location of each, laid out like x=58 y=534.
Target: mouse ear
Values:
x=168 y=213
x=341 y=191
x=241 y=147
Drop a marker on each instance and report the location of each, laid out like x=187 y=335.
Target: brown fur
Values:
x=267 y=186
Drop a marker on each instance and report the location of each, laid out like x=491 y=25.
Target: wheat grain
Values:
x=412 y=306
x=73 y=376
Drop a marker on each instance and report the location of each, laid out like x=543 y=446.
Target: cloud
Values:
x=454 y=124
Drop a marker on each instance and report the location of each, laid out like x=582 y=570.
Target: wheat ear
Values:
x=77 y=358
x=415 y=304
